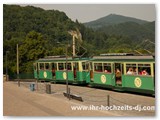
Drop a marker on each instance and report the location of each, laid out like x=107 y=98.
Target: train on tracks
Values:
x=121 y=71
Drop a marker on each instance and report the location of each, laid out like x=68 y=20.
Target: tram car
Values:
x=125 y=72
x=53 y=68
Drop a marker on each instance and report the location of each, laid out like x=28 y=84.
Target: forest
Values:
x=41 y=33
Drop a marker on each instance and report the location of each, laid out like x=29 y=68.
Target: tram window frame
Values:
x=69 y=66
x=98 y=70
x=55 y=66
x=47 y=66
x=41 y=66
x=76 y=66
x=108 y=67
x=62 y=65
x=133 y=66
x=85 y=66
x=146 y=67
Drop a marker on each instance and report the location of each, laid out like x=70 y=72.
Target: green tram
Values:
x=54 y=69
x=125 y=73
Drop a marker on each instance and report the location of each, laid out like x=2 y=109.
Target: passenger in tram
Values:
x=130 y=71
x=107 y=71
x=118 y=76
x=118 y=73
x=144 y=72
x=135 y=71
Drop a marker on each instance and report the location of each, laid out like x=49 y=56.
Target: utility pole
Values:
x=17 y=61
x=6 y=67
x=67 y=71
x=66 y=55
x=18 y=66
x=74 y=51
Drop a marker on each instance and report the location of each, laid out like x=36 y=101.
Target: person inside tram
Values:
x=144 y=72
x=105 y=70
x=118 y=72
x=118 y=76
x=130 y=71
x=135 y=71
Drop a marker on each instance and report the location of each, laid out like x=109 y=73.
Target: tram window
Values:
x=41 y=66
x=131 y=69
x=98 y=67
x=107 y=67
x=69 y=66
x=60 y=66
x=46 y=66
x=76 y=66
x=144 y=69
x=54 y=66
x=85 y=66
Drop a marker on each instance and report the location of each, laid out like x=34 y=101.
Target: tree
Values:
x=33 y=48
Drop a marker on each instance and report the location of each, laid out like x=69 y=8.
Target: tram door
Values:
x=54 y=68
x=118 y=74
x=91 y=72
x=86 y=71
x=75 y=70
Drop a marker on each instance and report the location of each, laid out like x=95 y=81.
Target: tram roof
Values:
x=60 y=58
x=123 y=58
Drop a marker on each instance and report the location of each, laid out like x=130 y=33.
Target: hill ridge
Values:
x=112 y=19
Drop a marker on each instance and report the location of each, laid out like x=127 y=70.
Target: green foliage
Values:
x=32 y=48
x=134 y=31
x=38 y=32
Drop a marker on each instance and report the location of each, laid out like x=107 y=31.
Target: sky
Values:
x=89 y=12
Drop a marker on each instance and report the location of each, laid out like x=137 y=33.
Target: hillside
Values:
x=112 y=19
x=41 y=33
x=133 y=30
x=18 y=21
x=37 y=32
